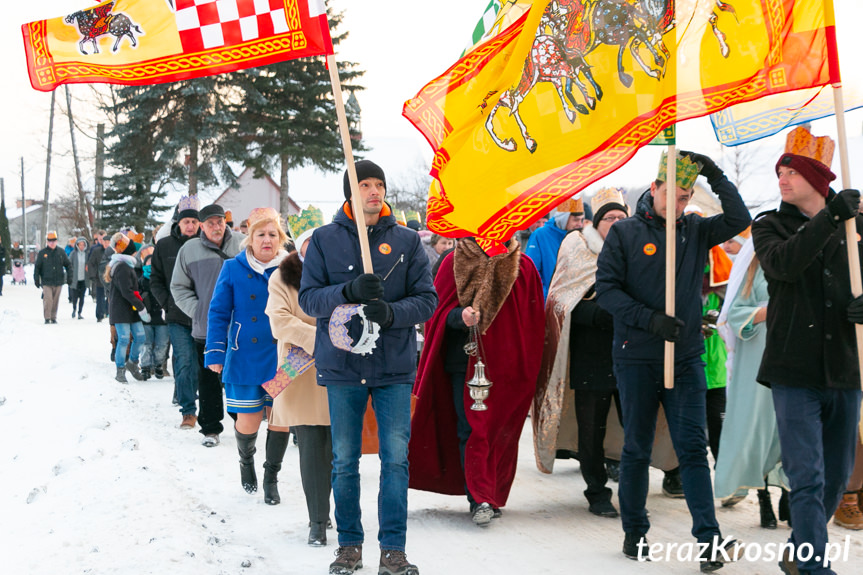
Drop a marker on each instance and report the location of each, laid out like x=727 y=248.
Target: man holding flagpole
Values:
x=634 y=252
x=401 y=297
x=810 y=359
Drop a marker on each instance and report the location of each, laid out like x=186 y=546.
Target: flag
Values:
x=138 y=42
x=485 y=24
x=569 y=90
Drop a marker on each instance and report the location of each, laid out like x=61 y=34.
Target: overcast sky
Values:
x=401 y=46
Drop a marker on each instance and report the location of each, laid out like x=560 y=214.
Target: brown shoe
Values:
x=348 y=560
x=849 y=515
x=189 y=421
x=396 y=563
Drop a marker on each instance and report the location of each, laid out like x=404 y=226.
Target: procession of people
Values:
x=290 y=330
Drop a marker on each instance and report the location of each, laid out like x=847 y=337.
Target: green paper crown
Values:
x=687 y=170
x=309 y=218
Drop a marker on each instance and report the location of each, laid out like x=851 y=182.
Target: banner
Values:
x=153 y=41
x=569 y=90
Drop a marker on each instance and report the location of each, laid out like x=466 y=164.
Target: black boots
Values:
x=132 y=367
x=246 y=448
x=277 y=443
x=318 y=533
x=768 y=519
x=121 y=375
x=784 y=507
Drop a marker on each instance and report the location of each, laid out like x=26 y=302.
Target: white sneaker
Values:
x=210 y=440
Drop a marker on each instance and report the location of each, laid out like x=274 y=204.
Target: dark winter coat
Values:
x=2 y=259
x=150 y=302
x=93 y=261
x=238 y=329
x=52 y=268
x=103 y=263
x=631 y=270
x=332 y=259
x=164 y=258
x=123 y=304
x=810 y=342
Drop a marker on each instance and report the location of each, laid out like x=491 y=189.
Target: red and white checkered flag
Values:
x=207 y=24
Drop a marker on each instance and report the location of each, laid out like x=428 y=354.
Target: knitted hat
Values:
x=213 y=210
x=365 y=169
x=605 y=200
x=121 y=244
x=811 y=157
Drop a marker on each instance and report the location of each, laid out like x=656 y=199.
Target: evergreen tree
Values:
x=5 y=236
x=287 y=115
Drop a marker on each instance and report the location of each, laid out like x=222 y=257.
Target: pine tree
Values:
x=287 y=114
x=5 y=236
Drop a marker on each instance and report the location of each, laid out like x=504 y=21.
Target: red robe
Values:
x=513 y=351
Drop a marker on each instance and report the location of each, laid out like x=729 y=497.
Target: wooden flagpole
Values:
x=670 y=254
x=356 y=201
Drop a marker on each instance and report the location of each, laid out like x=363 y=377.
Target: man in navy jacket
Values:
x=401 y=299
x=629 y=286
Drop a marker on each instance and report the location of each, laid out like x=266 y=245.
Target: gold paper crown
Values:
x=801 y=142
x=572 y=205
x=259 y=214
x=607 y=196
x=687 y=170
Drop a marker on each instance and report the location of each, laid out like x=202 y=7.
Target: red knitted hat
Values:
x=816 y=173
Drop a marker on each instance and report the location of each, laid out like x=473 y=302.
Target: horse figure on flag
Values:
x=557 y=57
x=99 y=21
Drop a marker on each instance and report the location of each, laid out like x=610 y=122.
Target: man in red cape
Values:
x=506 y=291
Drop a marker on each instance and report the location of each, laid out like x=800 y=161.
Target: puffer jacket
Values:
x=52 y=267
x=332 y=259
x=630 y=274
x=164 y=259
x=198 y=264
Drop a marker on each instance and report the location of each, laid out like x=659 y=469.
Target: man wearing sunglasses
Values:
x=51 y=271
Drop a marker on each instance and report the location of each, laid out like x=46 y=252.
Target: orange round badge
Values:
x=385 y=249
x=649 y=249
x=858 y=238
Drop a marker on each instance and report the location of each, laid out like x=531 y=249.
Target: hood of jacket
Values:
x=345 y=218
x=645 y=210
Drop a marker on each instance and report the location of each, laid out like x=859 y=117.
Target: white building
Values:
x=249 y=193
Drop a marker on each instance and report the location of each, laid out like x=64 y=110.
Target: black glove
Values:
x=364 y=289
x=709 y=169
x=603 y=320
x=844 y=205
x=665 y=326
x=37 y=283
x=855 y=310
x=379 y=312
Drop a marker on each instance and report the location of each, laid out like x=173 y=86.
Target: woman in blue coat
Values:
x=240 y=345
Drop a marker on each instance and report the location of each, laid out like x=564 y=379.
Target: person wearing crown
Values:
x=632 y=256
x=810 y=359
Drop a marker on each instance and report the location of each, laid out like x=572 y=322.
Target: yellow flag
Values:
x=570 y=89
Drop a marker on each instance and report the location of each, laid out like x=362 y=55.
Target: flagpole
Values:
x=670 y=254
x=356 y=201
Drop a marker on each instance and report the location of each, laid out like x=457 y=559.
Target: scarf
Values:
x=262 y=267
x=484 y=282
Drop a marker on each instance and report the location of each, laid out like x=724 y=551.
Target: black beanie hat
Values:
x=365 y=169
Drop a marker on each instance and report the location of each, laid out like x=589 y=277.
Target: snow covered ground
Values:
x=96 y=477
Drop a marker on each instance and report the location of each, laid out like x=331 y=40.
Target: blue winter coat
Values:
x=542 y=248
x=630 y=276
x=332 y=259
x=238 y=330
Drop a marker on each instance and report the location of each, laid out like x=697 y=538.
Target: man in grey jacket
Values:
x=196 y=270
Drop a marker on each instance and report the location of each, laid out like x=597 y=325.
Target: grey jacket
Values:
x=77 y=264
x=196 y=270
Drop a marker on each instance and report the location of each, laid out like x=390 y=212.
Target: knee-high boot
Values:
x=277 y=444
x=246 y=448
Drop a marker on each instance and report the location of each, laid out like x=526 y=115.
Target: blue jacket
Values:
x=542 y=248
x=332 y=259
x=238 y=330
x=630 y=276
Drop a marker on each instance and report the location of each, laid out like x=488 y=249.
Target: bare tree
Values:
x=409 y=190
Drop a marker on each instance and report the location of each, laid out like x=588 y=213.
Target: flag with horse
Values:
x=562 y=92
x=153 y=41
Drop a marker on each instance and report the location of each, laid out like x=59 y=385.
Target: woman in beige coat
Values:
x=302 y=406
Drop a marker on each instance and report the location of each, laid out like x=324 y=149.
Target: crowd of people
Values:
x=569 y=324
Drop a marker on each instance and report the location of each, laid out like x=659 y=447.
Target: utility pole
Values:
x=100 y=170
x=48 y=165
x=23 y=213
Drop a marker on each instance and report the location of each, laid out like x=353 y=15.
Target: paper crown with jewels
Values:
x=687 y=170
x=572 y=206
x=607 y=199
x=801 y=142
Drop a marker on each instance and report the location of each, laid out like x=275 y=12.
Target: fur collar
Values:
x=593 y=239
x=484 y=282
x=291 y=270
